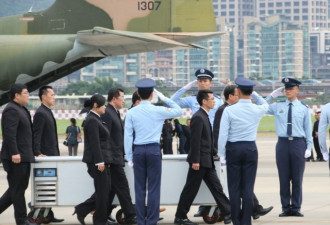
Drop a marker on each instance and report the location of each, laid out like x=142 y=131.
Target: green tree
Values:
x=99 y=85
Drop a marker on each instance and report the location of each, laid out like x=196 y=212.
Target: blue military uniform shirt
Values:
x=301 y=120
x=323 y=124
x=191 y=102
x=147 y=120
x=239 y=122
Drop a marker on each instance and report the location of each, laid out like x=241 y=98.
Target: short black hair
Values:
x=16 y=89
x=203 y=94
x=73 y=121
x=145 y=93
x=114 y=93
x=246 y=91
x=229 y=90
x=43 y=90
x=96 y=98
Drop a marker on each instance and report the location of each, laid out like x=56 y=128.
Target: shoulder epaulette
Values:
x=282 y=101
x=304 y=104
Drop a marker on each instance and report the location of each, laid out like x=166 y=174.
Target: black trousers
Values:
x=190 y=190
x=317 y=149
x=167 y=146
x=18 y=176
x=242 y=162
x=119 y=187
x=99 y=201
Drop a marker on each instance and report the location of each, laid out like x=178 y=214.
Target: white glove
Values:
x=223 y=161
x=130 y=164
x=160 y=95
x=189 y=85
x=325 y=156
x=308 y=153
x=277 y=92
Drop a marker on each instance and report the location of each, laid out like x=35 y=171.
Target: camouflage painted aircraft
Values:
x=37 y=48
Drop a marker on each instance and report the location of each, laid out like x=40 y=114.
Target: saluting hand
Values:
x=16 y=158
x=101 y=167
x=195 y=166
x=189 y=85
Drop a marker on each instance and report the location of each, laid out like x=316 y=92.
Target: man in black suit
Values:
x=201 y=163
x=45 y=141
x=16 y=152
x=119 y=183
x=231 y=96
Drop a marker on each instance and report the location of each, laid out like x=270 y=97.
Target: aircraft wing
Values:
x=114 y=42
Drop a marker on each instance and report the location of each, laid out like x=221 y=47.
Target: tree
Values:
x=99 y=85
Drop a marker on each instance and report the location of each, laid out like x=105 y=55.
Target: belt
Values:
x=290 y=138
x=145 y=145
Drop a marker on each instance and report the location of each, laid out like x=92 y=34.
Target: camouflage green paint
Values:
x=29 y=53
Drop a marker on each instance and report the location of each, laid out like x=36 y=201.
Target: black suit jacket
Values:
x=202 y=149
x=216 y=123
x=116 y=134
x=16 y=128
x=45 y=139
x=97 y=144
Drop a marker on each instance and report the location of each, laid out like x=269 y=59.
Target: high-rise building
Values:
x=313 y=13
x=276 y=48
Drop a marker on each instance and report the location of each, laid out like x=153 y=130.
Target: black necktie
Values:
x=289 y=126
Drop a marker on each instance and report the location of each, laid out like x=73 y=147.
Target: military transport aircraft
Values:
x=37 y=48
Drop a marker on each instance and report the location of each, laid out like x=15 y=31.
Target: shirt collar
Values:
x=145 y=102
x=46 y=106
x=245 y=101
x=205 y=110
x=95 y=113
x=295 y=102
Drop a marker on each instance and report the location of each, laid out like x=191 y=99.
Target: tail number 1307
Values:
x=148 y=5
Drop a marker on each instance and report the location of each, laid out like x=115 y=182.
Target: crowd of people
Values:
x=225 y=129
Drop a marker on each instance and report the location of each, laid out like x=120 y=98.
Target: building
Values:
x=276 y=48
x=320 y=54
x=313 y=13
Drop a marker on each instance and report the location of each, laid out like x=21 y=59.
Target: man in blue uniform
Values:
x=294 y=129
x=237 y=147
x=231 y=96
x=204 y=82
x=146 y=121
x=322 y=131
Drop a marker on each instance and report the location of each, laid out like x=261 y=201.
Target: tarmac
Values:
x=316 y=193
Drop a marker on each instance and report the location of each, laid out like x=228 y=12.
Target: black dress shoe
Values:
x=297 y=213
x=55 y=220
x=111 y=219
x=227 y=219
x=263 y=211
x=80 y=218
x=285 y=214
x=131 y=220
x=183 y=221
